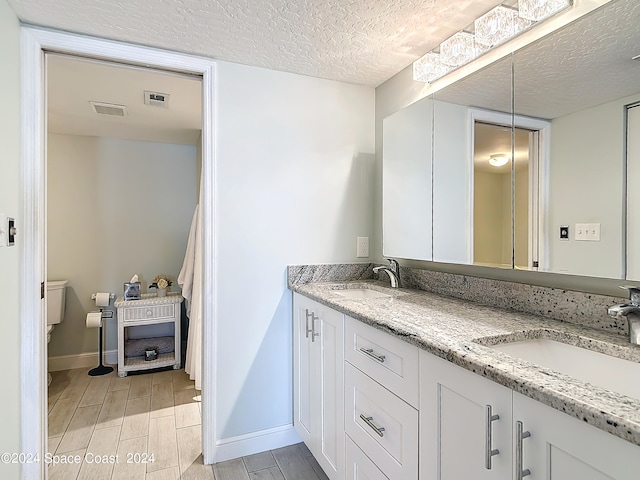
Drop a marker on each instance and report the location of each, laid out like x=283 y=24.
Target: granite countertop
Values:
x=461 y=332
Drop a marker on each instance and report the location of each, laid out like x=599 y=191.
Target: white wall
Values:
x=9 y=257
x=295 y=175
x=114 y=208
x=587 y=159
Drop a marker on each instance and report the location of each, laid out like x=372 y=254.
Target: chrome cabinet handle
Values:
x=489 y=450
x=308 y=314
x=370 y=352
x=313 y=328
x=374 y=427
x=520 y=435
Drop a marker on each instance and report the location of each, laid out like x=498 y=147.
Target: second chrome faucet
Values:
x=393 y=270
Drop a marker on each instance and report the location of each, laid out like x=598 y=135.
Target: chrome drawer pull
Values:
x=369 y=351
x=520 y=435
x=369 y=421
x=489 y=450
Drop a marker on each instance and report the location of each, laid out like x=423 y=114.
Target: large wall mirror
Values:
x=528 y=159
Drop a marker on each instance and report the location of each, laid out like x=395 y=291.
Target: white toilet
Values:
x=55 y=306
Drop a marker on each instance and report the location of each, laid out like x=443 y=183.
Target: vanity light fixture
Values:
x=537 y=10
x=495 y=27
x=429 y=68
x=459 y=49
x=498 y=159
x=499 y=25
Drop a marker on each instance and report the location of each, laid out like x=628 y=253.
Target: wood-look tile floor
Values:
x=147 y=426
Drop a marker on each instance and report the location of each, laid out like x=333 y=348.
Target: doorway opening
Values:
x=123 y=161
x=508 y=185
x=35 y=43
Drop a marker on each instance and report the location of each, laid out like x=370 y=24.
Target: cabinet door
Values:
x=305 y=374
x=318 y=384
x=454 y=427
x=561 y=447
x=329 y=347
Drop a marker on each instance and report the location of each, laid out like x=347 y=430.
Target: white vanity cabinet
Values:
x=529 y=440
x=560 y=447
x=381 y=396
x=465 y=423
x=318 y=382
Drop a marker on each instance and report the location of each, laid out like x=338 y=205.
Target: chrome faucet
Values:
x=393 y=270
x=631 y=311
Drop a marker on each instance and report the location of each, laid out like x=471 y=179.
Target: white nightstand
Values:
x=149 y=310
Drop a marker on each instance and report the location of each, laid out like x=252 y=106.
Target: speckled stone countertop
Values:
x=462 y=331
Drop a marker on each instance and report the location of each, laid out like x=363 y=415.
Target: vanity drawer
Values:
x=388 y=360
x=382 y=425
x=359 y=466
x=148 y=313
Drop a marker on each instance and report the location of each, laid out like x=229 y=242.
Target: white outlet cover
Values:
x=362 y=247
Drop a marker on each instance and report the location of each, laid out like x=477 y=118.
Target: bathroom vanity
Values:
x=149 y=310
x=407 y=384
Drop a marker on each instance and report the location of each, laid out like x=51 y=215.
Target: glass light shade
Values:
x=537 y=10
x=458 y=49
x=429 y=68
x=498 y=160
x=495 y=26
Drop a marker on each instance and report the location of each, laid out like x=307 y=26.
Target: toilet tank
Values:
x=55 y=301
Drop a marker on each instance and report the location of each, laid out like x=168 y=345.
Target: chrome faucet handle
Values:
x=394 y=265
x=634 y=293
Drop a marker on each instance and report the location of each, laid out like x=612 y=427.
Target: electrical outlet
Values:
x=588 y=232
x=362 y=247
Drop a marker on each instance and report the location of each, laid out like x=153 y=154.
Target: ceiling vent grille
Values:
x=109 y=109
x=156 y=99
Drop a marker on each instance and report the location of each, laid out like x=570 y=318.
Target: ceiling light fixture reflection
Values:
x=495 y=27
x=498 y=159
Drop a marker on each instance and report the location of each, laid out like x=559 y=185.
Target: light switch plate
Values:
x=587 y=232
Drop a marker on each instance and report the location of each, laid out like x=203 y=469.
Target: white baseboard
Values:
x=82 y=360
x=243 y=445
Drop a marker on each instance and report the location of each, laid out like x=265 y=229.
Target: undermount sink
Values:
x=612 y=373
x=361 y=293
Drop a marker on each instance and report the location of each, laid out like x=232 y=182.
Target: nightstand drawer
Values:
x=388 y=360
x=151 y=312
x=383 y=426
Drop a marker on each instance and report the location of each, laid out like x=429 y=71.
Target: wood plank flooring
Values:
x=132 y=418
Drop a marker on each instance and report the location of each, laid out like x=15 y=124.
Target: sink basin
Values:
x=611 y=373
x=361 y=293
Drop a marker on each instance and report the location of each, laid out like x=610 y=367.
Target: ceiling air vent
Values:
x=156 y=99
x=109 y=109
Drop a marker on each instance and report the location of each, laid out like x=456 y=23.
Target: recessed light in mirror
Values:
x=498 y=160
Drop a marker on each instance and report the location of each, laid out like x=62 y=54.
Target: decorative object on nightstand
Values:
x=161 y=283
x=132 y=289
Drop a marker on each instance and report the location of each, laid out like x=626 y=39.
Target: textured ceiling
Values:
x=584 y=64
x=357 y=41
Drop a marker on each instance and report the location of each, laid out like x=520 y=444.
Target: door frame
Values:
x=543 y=128
x=33 y=361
